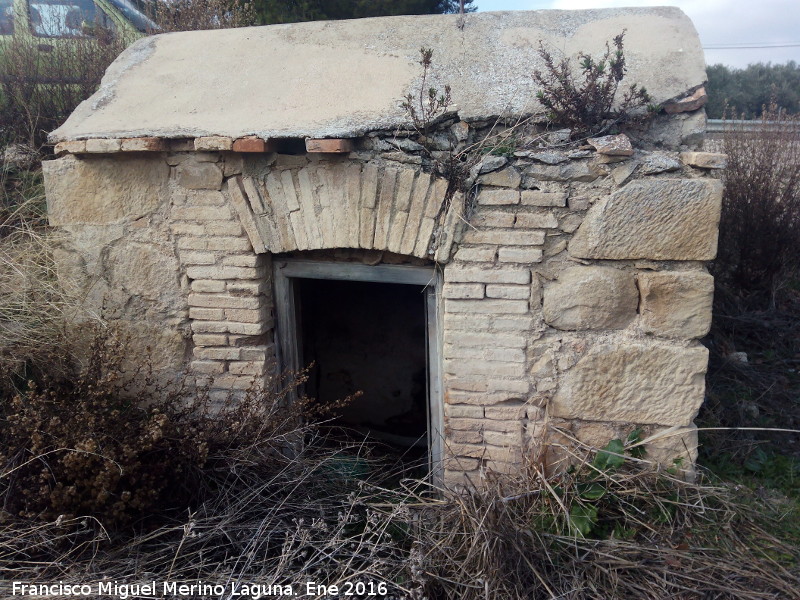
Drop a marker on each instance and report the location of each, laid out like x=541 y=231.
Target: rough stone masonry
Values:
x=574 y=283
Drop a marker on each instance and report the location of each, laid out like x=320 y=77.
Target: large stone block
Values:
x=103 y=190
x=659 y=219
x=70 y=269
x=677 y=304
x=591 y=298
x=634 y=383
x=199 y=175
x=163 y=347
x=148 y=272
x=596 y=434
x=705 y=160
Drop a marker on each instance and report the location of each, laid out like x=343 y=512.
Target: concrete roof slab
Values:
x=344 y=78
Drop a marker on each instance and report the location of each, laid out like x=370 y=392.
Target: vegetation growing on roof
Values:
x=587 y=103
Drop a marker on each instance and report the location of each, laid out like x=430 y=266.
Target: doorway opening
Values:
x=367 y=329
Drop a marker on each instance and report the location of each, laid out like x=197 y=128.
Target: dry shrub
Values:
x=192 y=15
x=40 y=89
x=757 y=290
x=111 y=443
x=302 y=523
x=760 y=225
x=265 y=498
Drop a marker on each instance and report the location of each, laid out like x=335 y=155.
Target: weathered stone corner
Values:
x=676 y=304
x=657 y=219
x=634 y=383
x=103 y=190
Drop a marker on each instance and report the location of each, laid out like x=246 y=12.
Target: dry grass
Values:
x=277 y=521
x=32 y=304
x=654 y=536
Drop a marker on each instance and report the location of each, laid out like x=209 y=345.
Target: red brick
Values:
x=251 y=144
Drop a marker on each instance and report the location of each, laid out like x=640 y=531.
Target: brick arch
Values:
x=348 y=205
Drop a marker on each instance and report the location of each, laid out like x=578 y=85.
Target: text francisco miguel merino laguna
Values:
x=170 y=588
x=150 y=589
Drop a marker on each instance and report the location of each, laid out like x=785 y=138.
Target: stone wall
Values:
x=574 y=280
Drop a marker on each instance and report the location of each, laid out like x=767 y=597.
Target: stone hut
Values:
x=243 y=202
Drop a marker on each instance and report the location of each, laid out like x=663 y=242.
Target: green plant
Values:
x=586 y=103
x=504 y=145
x=594 y=511
x=776 y=470
x=760 y=467
x=613 y=526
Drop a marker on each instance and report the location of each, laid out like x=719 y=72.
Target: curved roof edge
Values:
x=345 y=78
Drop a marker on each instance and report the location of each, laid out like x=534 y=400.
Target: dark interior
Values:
x=368 y=337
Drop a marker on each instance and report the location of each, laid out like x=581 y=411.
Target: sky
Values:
x=718 y=22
